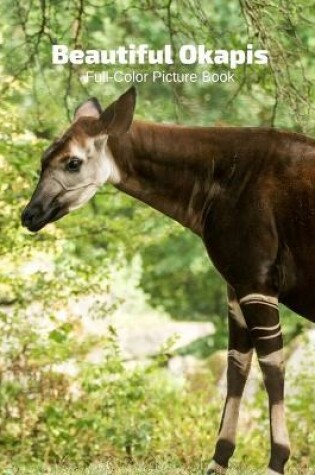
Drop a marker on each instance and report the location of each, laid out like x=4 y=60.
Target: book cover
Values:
x=157 y=250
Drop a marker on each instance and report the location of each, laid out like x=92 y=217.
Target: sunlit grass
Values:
x=153 y=468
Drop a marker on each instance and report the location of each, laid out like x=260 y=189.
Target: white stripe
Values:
x=260 y=302
x=259 y=298
x=272 y=472
x=256 y=299
x=270 y=336
x=274 y=327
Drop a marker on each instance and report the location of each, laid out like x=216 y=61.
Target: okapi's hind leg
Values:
x=239 y=362
x=262 y=319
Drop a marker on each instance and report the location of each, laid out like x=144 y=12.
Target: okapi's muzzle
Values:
x=38 y=212
x=34 y=218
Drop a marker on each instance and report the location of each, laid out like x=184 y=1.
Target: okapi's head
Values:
x=77 y=164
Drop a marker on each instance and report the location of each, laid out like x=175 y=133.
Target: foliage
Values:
x=107 y=410
x=51 y=413
x=159 y=467
x=301 y=412
x=110 y=413
x=282 y=94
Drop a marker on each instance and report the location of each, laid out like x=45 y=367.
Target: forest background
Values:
x=66 y=292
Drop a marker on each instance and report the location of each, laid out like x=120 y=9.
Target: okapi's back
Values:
x=203 y=144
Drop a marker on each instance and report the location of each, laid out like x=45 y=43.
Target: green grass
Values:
x=156 y=468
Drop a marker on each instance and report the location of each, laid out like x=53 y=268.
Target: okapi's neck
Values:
x=179 y=170
x=171 y=168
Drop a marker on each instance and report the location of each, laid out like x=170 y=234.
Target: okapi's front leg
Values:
x=239 y=362
x=262 y=318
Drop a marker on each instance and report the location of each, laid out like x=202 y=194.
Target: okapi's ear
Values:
x=89 y=108
x=117 y=118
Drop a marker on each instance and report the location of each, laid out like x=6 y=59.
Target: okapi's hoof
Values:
x=215 y=469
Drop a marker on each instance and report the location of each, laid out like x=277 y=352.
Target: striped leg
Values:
x=262 y=318
x=239 y=362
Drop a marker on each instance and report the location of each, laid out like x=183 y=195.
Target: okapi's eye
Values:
x=74 y=164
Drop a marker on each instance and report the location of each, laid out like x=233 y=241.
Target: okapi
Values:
x=249 y=193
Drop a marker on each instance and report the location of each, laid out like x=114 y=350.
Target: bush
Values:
x=101 y=410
